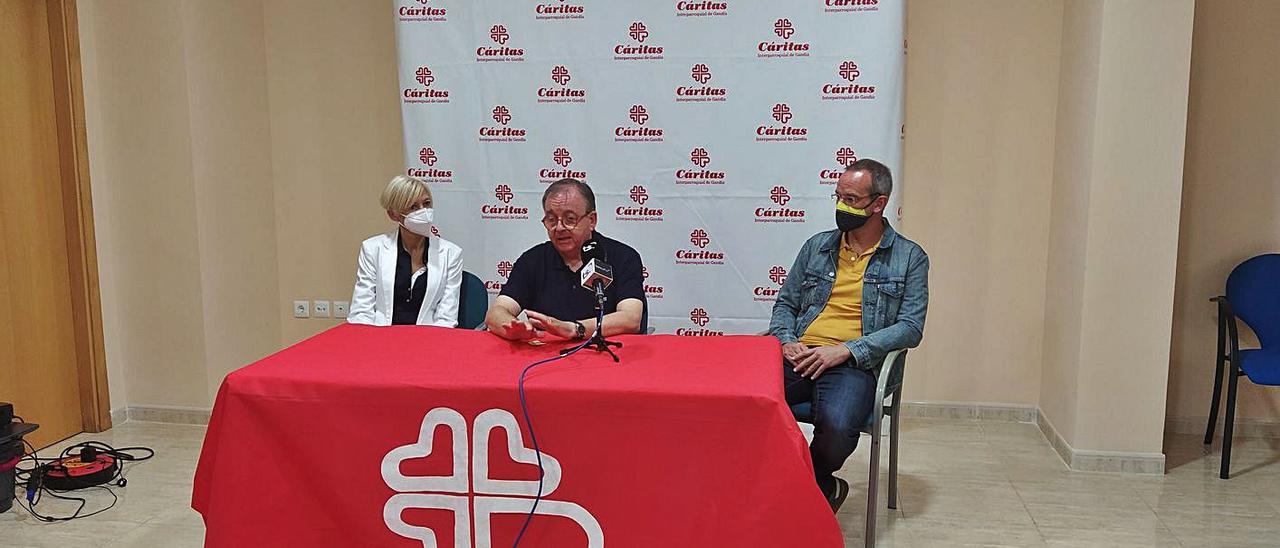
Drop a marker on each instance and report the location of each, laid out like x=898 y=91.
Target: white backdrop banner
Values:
x=712 y=132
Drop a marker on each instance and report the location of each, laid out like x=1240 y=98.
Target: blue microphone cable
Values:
x=524 y=408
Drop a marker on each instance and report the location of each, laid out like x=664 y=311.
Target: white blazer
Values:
x=376 y=277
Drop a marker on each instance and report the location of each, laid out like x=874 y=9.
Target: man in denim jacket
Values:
x=853 y=295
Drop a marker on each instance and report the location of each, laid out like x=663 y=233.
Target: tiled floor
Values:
x=961 y=483
x=153 y=511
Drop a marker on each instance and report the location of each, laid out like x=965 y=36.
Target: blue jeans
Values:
x=841 y=398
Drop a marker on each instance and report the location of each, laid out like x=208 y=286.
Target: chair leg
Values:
x=1217 y=384
x=1213 y=411
x=873 y=478
x=893 y=450
x=1228 y=427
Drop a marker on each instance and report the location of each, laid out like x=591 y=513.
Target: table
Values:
x=414 y=436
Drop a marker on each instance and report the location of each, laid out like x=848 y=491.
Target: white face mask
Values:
x=419 y=222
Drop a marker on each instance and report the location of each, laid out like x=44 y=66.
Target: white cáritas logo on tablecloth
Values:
x=491 y=496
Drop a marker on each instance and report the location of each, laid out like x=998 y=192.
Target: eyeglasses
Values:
x=569 y=221
x=851 y=199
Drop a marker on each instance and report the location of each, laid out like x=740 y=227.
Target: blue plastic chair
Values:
x=1253 y=296
x=473 y=301
x=888 y=385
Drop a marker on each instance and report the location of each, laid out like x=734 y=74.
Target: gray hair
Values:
x=881 y=179
x=565 y=184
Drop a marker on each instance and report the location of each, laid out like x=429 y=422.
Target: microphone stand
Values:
x=598 y=342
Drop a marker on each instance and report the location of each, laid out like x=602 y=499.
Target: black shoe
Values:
x=837 y=495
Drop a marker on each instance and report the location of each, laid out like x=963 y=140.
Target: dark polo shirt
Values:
x=540 y=281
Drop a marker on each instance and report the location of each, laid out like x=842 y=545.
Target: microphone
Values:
x=596 y=274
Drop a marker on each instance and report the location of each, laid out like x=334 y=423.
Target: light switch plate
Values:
x=302 y=309
x=321 y=309
x=340 y=308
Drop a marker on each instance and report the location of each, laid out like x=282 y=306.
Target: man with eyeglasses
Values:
x=854 y=294
x=544 y=282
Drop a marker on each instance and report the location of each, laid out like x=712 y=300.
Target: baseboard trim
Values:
x=1244 y=428
x=1099 y=461
x=165 y=414
x=994 y=412
x=119 y=416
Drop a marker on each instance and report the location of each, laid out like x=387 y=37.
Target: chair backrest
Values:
x=473 y=301
x=1253 y=289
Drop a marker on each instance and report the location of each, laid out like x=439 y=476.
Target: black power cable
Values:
x=32 y=479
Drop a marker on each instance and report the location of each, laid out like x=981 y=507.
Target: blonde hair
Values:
x=402 y=191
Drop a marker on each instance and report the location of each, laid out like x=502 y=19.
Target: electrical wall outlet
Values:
x=321 y=309
x=340 y=308
x=302 y=309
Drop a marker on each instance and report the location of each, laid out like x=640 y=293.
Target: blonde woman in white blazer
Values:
x=407 y=276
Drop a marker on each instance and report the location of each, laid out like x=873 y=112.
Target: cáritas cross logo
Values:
x=562 y=157
x=637 y=50
x=503 y=193
x=784 y=29
x=499 y=50
x=778 y=275
x=423 y=76
x=560 y=75
x=499 y=34
x=782 y=113
x=779 y=195
x=700 y=73
x=639 y=195
x=849 y=71
x=469 y=491
x=699 y=238
x=501 y=114
x=637 y=31
x=424 y=93
x=638 y=114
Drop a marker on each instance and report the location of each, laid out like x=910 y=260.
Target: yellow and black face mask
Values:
x=849 y=217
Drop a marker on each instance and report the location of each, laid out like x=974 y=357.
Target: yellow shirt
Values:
x=841 y=319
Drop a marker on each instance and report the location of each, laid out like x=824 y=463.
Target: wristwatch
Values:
x=581 y=330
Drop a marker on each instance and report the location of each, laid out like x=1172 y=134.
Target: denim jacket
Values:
x=895 y=295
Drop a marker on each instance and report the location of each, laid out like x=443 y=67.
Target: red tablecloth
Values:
x=687 y=442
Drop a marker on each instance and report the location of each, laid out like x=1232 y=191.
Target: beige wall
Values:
x=1134 y=211
x=335 y=141
x=1072 y=165
x=1231 y=188
x=982 y=88
x=236 y=153
x=230 y=144
x=1114 y=238
x=140 y=157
